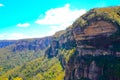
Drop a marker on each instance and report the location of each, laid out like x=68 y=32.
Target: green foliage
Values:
x=17 y=78
x=41 y=68
x=67 y=53
x=9 y=59
x=81 y=22
x=1 y=68
x=109 y=14
x=28 y=65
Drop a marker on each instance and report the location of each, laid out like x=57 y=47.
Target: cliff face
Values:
x=65 y=40
x=98 y=48
x=96 y=38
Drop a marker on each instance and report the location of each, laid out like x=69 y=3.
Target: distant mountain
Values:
x=29 y=44
x=89 y=49
x=4 y=43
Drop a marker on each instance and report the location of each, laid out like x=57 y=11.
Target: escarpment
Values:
x=98 y=48
x=94 y=41
x=32 y=44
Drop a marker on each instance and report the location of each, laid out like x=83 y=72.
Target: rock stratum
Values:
x=98 y=46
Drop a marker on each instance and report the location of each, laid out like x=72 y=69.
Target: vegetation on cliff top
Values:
x=109 y=14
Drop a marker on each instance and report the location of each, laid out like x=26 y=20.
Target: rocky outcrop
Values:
x=61 y=40
x=89 y=67
x=97 y=37
x=53 y=49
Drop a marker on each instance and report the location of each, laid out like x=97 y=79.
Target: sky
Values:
x=20 y=19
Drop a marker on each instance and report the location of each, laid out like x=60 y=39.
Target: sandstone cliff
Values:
x=97 y=35
x=96 y=39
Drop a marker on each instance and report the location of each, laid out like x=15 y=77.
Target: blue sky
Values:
x=38 y=18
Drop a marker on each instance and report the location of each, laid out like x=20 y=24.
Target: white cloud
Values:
x=23 y=25
x=60 y=18
x=1 y=5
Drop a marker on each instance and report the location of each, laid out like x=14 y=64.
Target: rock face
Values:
x=65 y=40
x=98 y=39
x=52 y=50
x=94 y=29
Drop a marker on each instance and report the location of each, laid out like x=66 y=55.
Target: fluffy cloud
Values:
x=1 y=5
x=23 y=25
x=60 y=18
